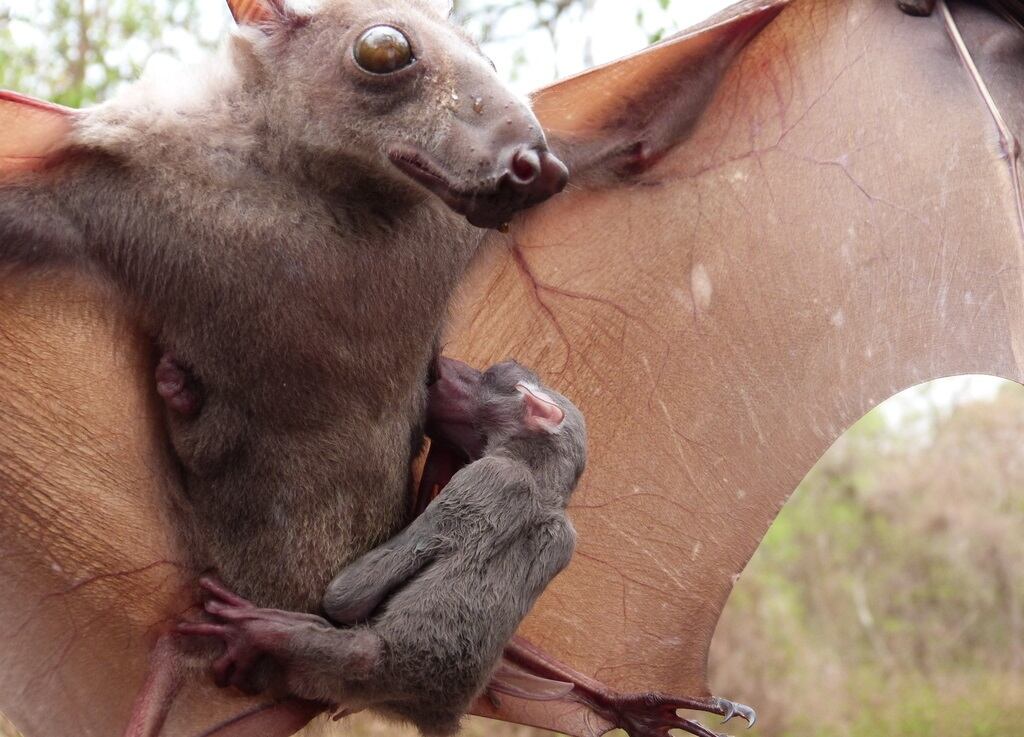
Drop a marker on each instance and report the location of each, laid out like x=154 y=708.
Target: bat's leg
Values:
x=639 y=714
x=177 y=387
x=916 y=7
x=154 y=699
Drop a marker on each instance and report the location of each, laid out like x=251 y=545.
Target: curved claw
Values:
x=730 y=709
x=647 y=714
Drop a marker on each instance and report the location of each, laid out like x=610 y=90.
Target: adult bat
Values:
x=840 y=222
x=259 y=224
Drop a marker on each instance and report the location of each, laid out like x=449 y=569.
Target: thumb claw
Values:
x=730 y=711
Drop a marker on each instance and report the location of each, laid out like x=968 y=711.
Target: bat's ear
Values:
x=621 y=117
x=261 y=13
x=541 y=413
x=34 y=132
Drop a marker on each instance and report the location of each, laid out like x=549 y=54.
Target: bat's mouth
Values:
x=531 y=177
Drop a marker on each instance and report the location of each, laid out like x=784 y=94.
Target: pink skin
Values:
x=177 y=387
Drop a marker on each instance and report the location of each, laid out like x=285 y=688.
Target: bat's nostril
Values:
x=526 y=166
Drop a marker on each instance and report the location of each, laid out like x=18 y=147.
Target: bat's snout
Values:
x=528 y=176
x=525 y=176
x=535 y=173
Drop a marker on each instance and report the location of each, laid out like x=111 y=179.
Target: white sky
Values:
x=610 y=27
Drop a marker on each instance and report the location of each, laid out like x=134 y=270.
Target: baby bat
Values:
x=429 y=612
x=290 y=228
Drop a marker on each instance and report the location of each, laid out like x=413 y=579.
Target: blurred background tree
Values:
x=888 y=598
x=77 y=51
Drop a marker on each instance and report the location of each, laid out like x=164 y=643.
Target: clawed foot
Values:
x=641 y=715
x=250 y=635
x=653 y=715
x=730 y=709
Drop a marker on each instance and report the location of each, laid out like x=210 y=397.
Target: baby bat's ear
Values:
x=262 y=13
x=34 y=132
x=619 y=119
x=541 y=413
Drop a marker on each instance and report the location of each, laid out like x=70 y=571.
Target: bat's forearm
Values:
x=359 y=590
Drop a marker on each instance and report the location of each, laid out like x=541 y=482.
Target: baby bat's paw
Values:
x=178 y=387
x=251 y=636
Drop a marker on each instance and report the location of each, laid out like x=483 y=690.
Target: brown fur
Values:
x=271 y=246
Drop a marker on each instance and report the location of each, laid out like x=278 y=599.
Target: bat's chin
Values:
x=531 y=177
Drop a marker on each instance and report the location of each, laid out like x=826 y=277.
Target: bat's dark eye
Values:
x=382 y=50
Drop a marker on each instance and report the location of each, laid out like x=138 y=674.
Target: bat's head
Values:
x=396 y=92
x=506 y=404
x=544 y=427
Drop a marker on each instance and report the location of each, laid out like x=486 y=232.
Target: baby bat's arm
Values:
x=360 y=588
x=555 y=542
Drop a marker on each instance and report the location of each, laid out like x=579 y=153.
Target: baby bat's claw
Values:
x=250 y=634
x=212 y=586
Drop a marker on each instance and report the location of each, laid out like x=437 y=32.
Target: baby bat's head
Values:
x=533 y=421
x=396 y=92
x=506 y=406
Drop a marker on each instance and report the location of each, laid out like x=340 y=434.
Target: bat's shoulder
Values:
x=499 y=471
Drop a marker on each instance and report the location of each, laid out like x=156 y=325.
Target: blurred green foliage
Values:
x=75 y=51
x=888 y=597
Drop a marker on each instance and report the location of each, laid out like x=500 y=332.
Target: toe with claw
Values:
x=251 y=635
x=653 y=715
